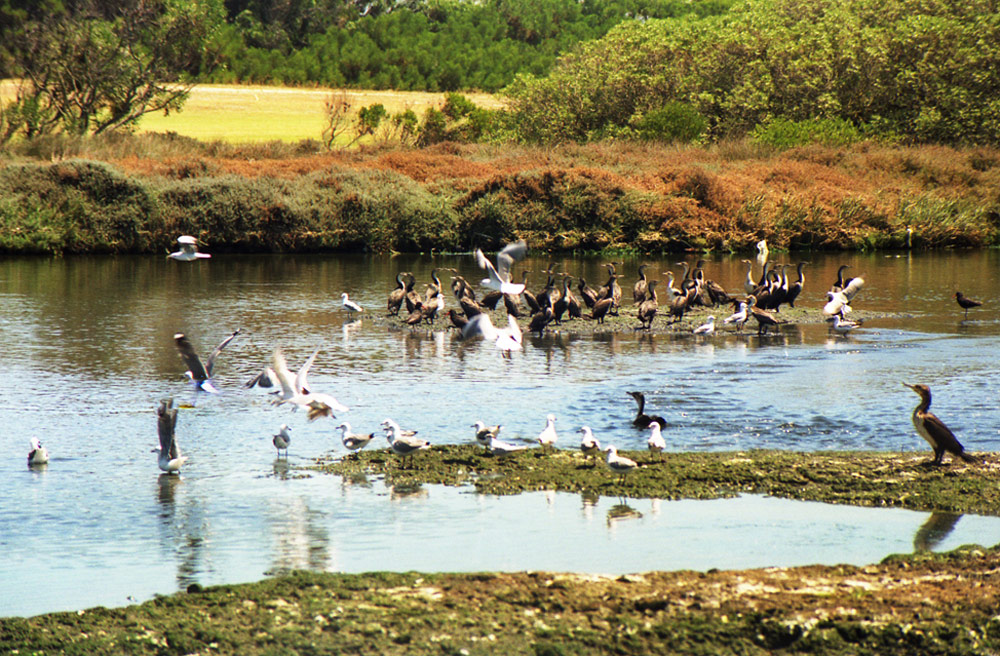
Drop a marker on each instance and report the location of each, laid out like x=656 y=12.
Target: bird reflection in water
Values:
x=620 y=512
x=183 y=527
x=589 y=501
x=932 y=532
x=281 y=468
x=348 y=328
x=407 y=490
x=300 y=539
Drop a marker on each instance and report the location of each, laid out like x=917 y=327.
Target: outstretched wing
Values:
x=280 y=368
x=510 y=254
x=302 y=377
x=481 y=324
x=218 y=349
x=166 y=421
x=190 y=358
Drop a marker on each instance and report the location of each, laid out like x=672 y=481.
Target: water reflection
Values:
x=183 y=527
x=299 y=535
x=932 y=532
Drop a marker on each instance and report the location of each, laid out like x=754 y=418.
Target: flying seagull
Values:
x=170 y=458
x=189 y=250
x=499 y=276
x=200 y=374
x=504 y=339
x=294 y=390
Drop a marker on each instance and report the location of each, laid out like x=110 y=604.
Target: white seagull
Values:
x=618 y=464
x=496 y=447
x=403 y=442
x=170 y=458
x=200 y=373
x=294 y=391
x=707 y=328
x=351 y=307
x=282 y=440
x=589 y=445
x=504 y=339
x=739 y=317
x=485 y=433
x=189 y=250
x=839 y=302
x=354 y=441
x=547 y=438
x=655 y=442
x=499 y=276
x=38 y=454
x=842 y=325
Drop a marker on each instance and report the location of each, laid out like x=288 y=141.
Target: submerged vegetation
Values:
x=135 y=194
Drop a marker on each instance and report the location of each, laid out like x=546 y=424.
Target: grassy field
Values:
x=241 y=114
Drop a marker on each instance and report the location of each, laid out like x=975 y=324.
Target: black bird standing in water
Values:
x=933 y=429
x=966 y=303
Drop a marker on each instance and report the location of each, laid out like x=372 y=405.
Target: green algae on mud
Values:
x=902 y=480
x=922 y=603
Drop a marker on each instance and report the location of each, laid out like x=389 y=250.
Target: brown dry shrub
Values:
x=422 y=166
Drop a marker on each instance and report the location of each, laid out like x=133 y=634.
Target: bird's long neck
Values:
x=641 y=400
x=924 y=406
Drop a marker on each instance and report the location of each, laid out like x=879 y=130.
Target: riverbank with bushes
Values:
x=136 y=194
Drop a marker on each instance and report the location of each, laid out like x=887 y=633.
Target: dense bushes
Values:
x=455 y=197
x=898 y=67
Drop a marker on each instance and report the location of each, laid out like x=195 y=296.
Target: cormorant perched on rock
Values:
x=588 y=293
x=933 y=429
x=795 y=288
x=601 y=309
x=966 y=303
x=396 y=297
x=648 y=308
x=639 y=289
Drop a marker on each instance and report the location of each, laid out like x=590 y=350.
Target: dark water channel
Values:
x=88 y=353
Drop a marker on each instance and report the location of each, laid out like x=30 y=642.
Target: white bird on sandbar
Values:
x=504 y=339
x=739 y=317
x=282 y=440
x=295 y=392
x=38 y=455
x=200 y=373
x=618 y=464
x=354 y=441
x=485 y=433
x=589 y=445
x=351 y=307
x=655 y=441
x=547 y=438
x=189 y=250
x=170 y=458
x=842 y=325
x=707 y=328
x=498 y=448
x=839 y=301
x=499 y=276
x=403 y=442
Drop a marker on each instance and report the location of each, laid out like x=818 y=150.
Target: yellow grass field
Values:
x=239 y=114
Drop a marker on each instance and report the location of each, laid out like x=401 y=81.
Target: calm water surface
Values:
x=88 y=352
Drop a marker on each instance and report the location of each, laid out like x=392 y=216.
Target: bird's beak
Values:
x=912 y=387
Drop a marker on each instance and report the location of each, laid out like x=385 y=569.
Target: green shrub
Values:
x=782 y=133
x=675 y=121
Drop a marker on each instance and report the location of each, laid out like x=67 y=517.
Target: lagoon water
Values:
x=88 y=353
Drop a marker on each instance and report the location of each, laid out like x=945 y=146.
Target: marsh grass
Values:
x=66 y=195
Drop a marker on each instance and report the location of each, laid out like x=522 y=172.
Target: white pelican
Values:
x=351 y=307
x=618 y=464
x=38 y=454
x=200 y=374
x=499 y=276
x=170 y=458
x=189 y=250
x=282 y=440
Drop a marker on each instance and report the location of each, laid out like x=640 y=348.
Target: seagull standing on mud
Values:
x=589 y=445
x=354 y=441
x=404 y=443
x=655 y=442
x=499 y=276
x=618 y=464
x=547 y=438
x=707 y=328
x=200 y=373
x=485 y=433
x=170 y=459
x=351 y=307
x=189 y=250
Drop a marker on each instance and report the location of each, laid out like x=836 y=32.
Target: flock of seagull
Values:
x=768 y=292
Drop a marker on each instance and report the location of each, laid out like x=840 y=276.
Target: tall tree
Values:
x=97 y=68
